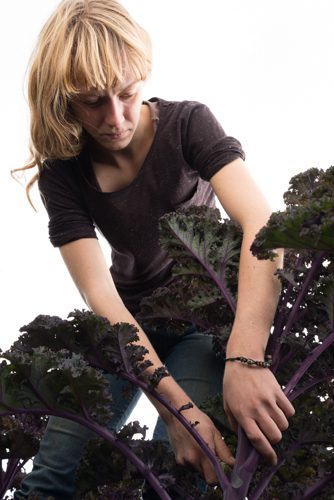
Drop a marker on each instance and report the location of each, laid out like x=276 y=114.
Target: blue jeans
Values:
x=189 y=359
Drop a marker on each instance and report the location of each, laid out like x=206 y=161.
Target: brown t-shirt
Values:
x=189 y=147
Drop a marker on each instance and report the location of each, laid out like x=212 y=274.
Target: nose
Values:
x=114 y=112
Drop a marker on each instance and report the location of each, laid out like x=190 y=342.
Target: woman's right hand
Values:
x=188 y=452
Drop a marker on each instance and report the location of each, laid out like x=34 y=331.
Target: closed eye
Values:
x=94 y=102
x=126 y=97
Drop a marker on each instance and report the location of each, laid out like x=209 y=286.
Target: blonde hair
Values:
x=85 y=43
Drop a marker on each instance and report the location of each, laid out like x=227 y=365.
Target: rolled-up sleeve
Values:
x=69 y=218
x=207 y=148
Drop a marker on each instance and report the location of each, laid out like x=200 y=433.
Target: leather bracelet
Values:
x=252 y=362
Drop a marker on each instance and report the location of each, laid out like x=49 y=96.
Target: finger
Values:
x=201 y=463
x=231 y=420
x=222 y=450
x=285 y=405
x=279 y=418
x=208 y=473
x=269 y=428
x=259 y=441
x=224 y=454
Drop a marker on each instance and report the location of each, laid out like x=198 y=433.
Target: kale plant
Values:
x=58 y=367
x=206 y=252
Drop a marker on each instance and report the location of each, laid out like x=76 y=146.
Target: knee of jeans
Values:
x=66 y=427
x=195 y=366
x=62 y=445
x=160 y=433
x=58 y=457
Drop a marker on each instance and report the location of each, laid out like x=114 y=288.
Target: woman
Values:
x=108 y=160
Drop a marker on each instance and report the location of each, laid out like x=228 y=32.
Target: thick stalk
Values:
x=246 y=463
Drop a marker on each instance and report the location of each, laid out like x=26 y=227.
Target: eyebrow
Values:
x=97 y=93
x=130 y=85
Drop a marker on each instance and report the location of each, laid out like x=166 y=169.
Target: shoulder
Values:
x=180 y=115
x=59 y=171
x=59 y=167
x=178 y=107
x=60 y=179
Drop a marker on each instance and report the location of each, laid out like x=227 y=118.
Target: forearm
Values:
x=258 y=293
x=253 y=399
x=107 y=304
x=258 y=288
x=92 y=277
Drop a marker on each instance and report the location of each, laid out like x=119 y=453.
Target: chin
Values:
x=116 y=144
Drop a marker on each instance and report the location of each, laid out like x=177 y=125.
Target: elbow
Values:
x=104 y=301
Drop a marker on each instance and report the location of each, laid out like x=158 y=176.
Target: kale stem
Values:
x=313 y=490
x=111 y=438
x=298 y=392
x=13 y=467
x=213 y=275
x=310 y=359
x=245 y=465
x=294 y=311
x=223 y=481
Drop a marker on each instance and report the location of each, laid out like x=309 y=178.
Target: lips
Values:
x=116 y=135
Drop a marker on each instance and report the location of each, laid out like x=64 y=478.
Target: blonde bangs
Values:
x=100 y=59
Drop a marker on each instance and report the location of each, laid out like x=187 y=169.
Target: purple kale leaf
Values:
x=307 y=222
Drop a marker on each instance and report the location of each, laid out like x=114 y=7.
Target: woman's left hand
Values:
x=254 y=400
x=188 y=452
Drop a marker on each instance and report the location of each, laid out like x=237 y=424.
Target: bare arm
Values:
x=88 y=268
x=252 y=396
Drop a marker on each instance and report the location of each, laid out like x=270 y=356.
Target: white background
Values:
x=265 y=67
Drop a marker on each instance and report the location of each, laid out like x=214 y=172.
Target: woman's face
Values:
x=110 y=117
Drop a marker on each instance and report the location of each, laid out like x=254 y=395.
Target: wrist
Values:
x=248 y=338
x=242 y=345
x=250 y=362
x=253 y=352
x=174 y=395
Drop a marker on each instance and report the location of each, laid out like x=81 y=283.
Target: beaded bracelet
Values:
x=252 y=362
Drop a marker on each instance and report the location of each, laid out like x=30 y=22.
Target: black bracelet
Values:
x=252 y=362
